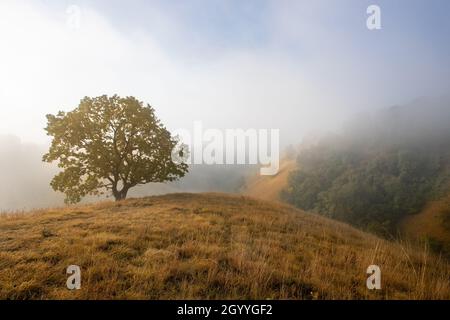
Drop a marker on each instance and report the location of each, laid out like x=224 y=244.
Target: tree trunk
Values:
x=120 y=195
x=123 y=194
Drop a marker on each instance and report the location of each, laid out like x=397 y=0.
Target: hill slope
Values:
x=379 y=169
x=204 y=246
x=269 y=187
x=431 y=224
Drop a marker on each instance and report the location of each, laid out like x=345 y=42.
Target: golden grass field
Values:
x=205 y=246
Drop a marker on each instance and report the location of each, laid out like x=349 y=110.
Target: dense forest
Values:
x=379 y=169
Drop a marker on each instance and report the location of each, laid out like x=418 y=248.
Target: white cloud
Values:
x=46 y=66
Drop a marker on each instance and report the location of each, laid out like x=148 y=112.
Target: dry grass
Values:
x=432 y=224
x=269 y=187
x=205 y=246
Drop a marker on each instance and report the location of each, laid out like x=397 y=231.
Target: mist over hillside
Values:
x=381 y=168
x=224 y=150
x=421 y=123
x=26 y=179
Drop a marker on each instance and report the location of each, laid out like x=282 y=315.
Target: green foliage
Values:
x=110 y=144
x=379 y=169
x=371 y=189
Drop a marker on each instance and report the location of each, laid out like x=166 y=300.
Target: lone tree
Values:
x=110 y=144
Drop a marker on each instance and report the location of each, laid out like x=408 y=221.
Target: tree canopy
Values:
x=110 y=144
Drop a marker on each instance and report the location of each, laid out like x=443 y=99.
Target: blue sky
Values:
x=297 y=65
x=226 y=25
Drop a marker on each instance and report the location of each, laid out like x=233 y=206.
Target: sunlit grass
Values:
x=205 y=246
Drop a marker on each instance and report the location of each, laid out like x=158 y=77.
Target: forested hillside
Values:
x=380 y=169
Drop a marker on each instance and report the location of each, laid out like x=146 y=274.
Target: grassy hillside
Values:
x=205 y=246
x=269 y=187
x=431 y=224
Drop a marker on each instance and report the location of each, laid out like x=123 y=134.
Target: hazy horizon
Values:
x=304 y=67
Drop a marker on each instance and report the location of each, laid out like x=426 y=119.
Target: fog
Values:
x=304 y=67
x=26 y=179
x=423 y=124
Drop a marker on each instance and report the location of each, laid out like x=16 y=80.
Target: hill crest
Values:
x=205 y=246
